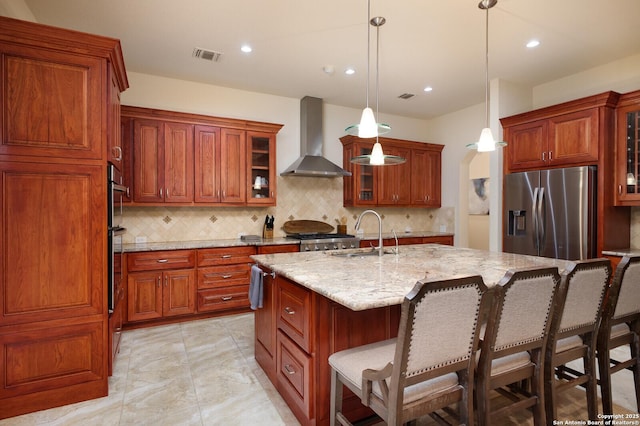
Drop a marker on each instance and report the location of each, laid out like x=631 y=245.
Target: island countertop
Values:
x=365 y=282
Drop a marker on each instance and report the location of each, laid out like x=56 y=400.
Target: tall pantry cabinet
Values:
x=59 y=127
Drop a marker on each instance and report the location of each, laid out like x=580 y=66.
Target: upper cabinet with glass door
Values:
x=262 y=168
x=628 y=150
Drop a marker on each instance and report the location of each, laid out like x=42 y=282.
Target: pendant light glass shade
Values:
x=368 y=127
x=486 y=143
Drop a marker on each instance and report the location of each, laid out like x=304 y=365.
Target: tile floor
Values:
x=195 y=373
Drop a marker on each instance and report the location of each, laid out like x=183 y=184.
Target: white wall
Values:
x=621 y=76
x=186 y=96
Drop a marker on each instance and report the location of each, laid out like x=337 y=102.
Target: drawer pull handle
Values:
x=163 y=260
x=226 y=256
x=289 y=311
x=227 y=276
x=273 y=274
x=226 y=298
x=289 y=369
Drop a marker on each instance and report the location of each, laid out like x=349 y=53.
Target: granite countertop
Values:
x=367 y=282
x=622 y=252
x=183 y=245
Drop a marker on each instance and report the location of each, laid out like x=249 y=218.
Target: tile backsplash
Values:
x=298 y=198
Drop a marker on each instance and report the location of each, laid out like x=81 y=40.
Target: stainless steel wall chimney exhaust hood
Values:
x=311 y=161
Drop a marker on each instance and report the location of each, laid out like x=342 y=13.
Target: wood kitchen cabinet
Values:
x=265 y=318
x=160 y=284
x=426 y=176
x=575 y=133
x=393 y=182
x=627 y=168
x=223 y=278
x=191 y=159
x=568 y=134
x=162 y=162
x=220 y=158
x=297 y=330
x=416 y=183
x=59 y=100
x=261 y=168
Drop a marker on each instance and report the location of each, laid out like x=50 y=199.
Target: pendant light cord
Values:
x=378 y=74
x=486 y=57
x=368 y=49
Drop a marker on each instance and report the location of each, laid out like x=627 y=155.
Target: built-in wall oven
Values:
x=115 y=193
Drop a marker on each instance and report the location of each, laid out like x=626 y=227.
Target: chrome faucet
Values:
x=379 y=248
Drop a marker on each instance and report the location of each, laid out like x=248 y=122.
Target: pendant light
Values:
x=368 y=127
x=486 y=142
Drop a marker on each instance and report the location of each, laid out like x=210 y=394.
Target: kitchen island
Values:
x=315 y=304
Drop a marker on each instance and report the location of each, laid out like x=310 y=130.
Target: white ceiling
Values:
x=424 y=42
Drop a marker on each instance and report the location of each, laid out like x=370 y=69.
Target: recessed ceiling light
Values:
x=533 y=43
x=246 y=48
x=349 y=71
x=428 y=89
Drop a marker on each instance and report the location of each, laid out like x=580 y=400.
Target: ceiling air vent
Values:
x=406 y=96
x=206 y=54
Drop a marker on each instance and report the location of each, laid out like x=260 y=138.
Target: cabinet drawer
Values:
x=447 y=241
x=223 y=276
x=225 y=256
x=156 y=260
x=295 y=376
x=294 y=313
x=223 y=298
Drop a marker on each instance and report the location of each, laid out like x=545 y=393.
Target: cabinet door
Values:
x=364 y=180
x=261 y=170
x=393 y=182
x=233 y=166
x=52 y=241
x=527 y=146
x=348 y=190
x=52 y=104
x=628 y=154
x=265 y=328
x=207 y=161
x=114 y=136
x=144 y=291
x=179 y=292
x=148 y=161
x=178 y=163
x=126 y=138
x=426 y=178
x=573 y=138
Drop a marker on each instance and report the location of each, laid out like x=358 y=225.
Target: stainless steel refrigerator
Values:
x=551 y=213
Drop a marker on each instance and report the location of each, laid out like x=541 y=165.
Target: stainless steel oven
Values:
x=115 y=194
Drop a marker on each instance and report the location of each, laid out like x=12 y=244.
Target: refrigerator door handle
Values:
x=540 y=214
x=534 y=216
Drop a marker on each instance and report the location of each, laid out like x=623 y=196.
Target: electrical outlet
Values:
x=141 y=240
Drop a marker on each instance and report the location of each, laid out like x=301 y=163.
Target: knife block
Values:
x=267 y=233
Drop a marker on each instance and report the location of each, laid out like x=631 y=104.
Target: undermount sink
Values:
x=360 y=253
